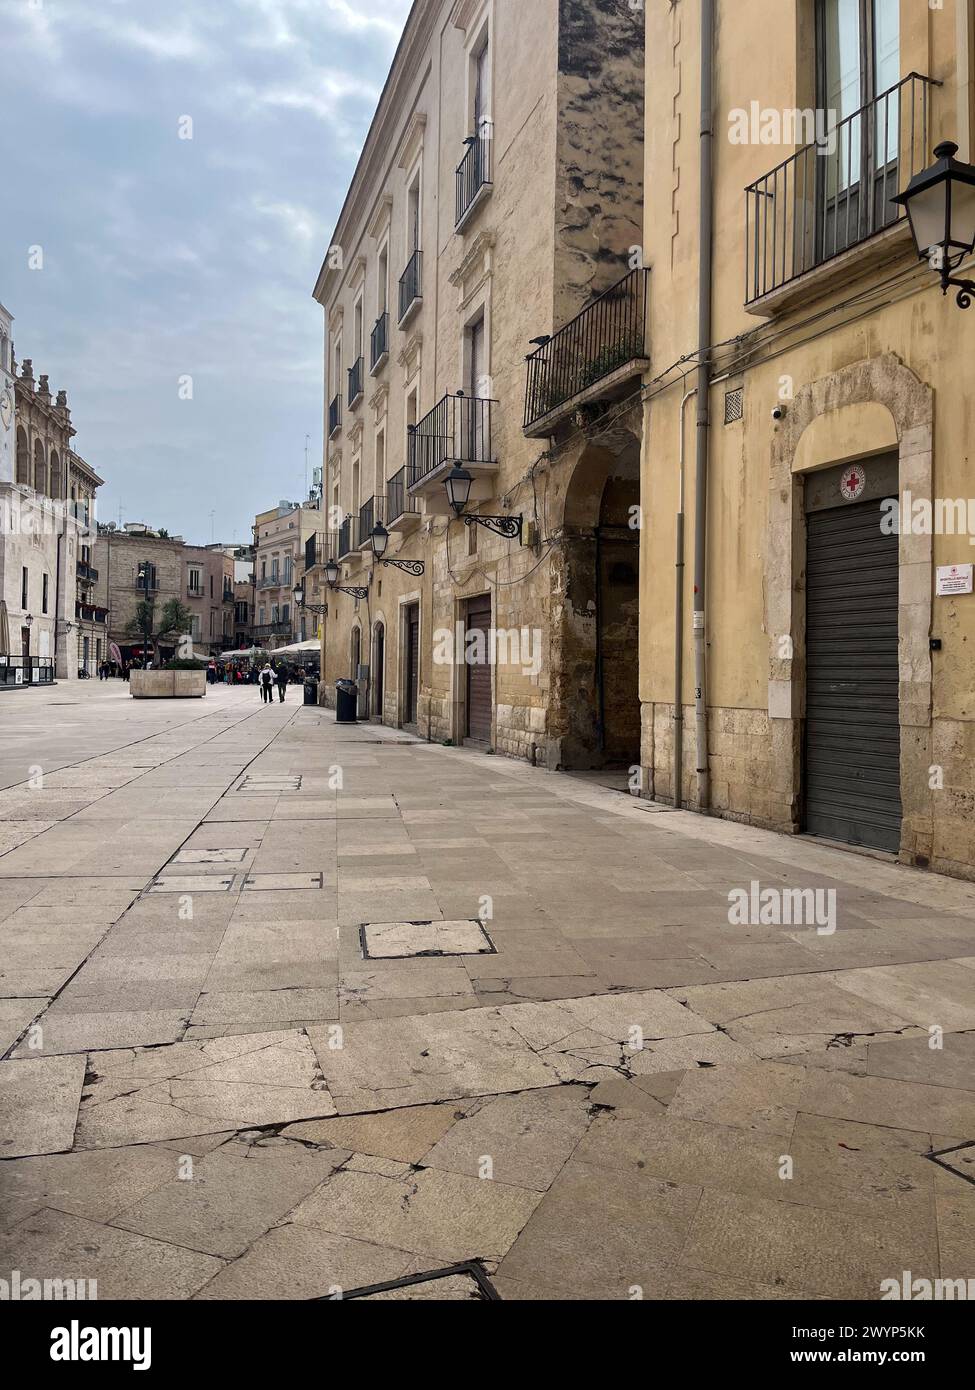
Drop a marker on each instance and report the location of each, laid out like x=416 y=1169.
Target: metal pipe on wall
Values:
x=679 y=567
x=705 y=268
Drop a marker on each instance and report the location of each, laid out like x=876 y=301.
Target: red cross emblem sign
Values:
x=852 y=482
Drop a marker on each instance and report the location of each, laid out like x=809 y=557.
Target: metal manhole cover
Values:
x=400 y=940
x=457 y=1283
x=960 y=1160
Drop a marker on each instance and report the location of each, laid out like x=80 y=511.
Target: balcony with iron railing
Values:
x=402 y=510
x=194 y=591
x=369 y=513
x=834 y=195
x=356 y=373
x=265 y=630
x=594 y=357
x=86 y=573
x=379 y=343
x=270 y=581
x=348 y=542
x=411 y=288
x=473 y=176
x=335 y=417
x=458 y=430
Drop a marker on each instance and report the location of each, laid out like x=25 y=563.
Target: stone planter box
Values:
x=167 y=685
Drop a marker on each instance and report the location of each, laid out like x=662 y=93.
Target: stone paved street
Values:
x=289 y=1007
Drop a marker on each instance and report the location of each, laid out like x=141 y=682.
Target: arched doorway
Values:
x=378 y=669
x=594 y=717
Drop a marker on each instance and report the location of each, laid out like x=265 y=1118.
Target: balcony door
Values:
x=473 y=427
x=858 y=60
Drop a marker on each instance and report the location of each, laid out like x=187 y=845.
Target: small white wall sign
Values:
x=954 y=579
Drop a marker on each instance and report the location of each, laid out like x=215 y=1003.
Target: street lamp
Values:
x=379 y=539
x=940 y=204
x=458 y=485
x=298 y=594
x=332 y=578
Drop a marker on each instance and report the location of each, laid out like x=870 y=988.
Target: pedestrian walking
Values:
x=282 y=683
x=267 y=679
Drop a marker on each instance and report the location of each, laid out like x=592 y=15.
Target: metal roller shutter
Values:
x=479 y=691
x=852 y=737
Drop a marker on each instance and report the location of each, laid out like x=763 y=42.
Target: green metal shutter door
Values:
x=852 y=746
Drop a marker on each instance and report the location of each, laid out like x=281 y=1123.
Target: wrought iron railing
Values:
x=86 y=572
x=194 y=591
x=836 y=191
x=367 y=520
x=411 y=284
x=348 y=537
x=607 y=335
x=457 y=430
x=279 y=629
x=473 y=172
x=398 y=500
x=379 y=341
x=355 y=380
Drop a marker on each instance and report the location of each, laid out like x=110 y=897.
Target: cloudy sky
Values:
x=166 y=258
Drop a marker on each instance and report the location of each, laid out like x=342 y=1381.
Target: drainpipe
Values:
x=679 y=618
x=705 y=239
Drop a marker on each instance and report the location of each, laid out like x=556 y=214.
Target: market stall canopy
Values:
x=299 y=648
x=241 y=655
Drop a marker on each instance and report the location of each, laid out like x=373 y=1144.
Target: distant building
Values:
x=280 y=538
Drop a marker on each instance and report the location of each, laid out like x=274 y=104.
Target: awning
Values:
x=299 y=649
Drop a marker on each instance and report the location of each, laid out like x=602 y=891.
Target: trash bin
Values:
x=311 y=692
x=346 y=702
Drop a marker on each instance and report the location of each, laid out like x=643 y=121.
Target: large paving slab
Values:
x=39 y=1101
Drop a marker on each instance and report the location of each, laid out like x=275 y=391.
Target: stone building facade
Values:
x=202 y=579
x=838 y=684
x=41 y=534
x=90 y=620
x=280 y=537
x=496 y=213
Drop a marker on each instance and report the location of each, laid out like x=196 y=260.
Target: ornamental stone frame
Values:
x=823 y=427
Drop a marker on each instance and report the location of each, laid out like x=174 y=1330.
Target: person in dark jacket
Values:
x=282 y=680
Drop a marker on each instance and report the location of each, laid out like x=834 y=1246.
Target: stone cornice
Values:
x=412 y=141
x=464 y=13
x=382 y=218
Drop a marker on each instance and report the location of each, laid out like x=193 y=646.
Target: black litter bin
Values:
x=311 y=692
x=346 y=702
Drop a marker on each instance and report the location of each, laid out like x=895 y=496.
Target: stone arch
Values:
x=594 y=710
x=40 y=467
x=23 y=457
x=818 y=423
x=55 y=479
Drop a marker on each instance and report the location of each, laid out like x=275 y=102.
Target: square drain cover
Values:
x=457 y=1283
x=398 y=940
x=959 y=1159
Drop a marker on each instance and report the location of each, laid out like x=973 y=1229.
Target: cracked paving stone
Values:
x=914 y=1059
x=392 y=940
x=300 y=1262
x=447 y=1216
x=406 y=1135
x=234 y=1195
x=527 y=1137
x=407 y=1061
x=410 y=980
x=881 y=1101
x=761 y=1096
x=124 y=1265
x=200 y=1087
x=96 y=1184
x=39 y=1105
x=67 y=1032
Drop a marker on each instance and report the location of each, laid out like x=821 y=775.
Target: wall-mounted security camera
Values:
x=778 y=412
